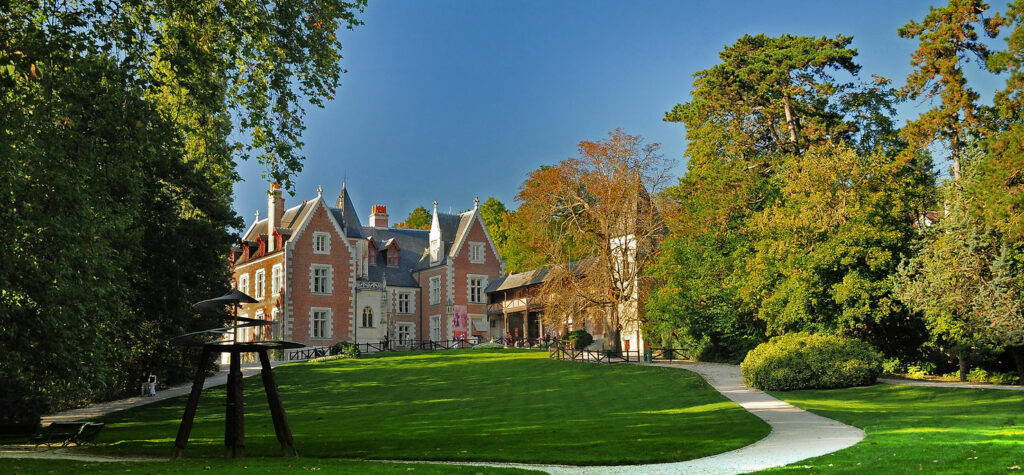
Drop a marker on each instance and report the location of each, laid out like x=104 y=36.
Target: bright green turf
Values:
x=914 y=428
x=249 y=465
x=497 y=405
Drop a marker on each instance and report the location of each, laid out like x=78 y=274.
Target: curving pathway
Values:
x=796 y=434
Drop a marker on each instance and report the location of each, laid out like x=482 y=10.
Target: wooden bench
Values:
x=66 y=433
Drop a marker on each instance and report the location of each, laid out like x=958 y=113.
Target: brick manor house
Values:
x=323 y=277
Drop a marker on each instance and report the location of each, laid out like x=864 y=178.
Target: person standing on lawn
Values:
x=152 y=384
x=143 y=384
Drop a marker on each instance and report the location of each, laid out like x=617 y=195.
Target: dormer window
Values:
x=392 y=257
x=371 y=256
x=435 y=250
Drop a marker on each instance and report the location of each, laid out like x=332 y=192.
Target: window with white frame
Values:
x=320 y=279
x=243 y=284
x=275 y=330
x=258 y=332
x=320 y=323
x=476 y=288
x=435 y=327
x=404 y=333
x=476 y=252
x=367 y=316
x=321 y=243
x=260 y=281
x=276 y=280
x=435 y=290
x=404 y=298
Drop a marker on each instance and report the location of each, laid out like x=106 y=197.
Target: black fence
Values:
x=307 y=353
x=612 y=357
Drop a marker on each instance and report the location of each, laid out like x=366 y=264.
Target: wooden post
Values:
x=526 y=326
x=281 y=427
x=504 y=334
x=234 y=420
x=190 y=408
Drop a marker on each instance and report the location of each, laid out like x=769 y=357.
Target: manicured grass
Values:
x=912 y=428
x=248 y=466
x=484 y=405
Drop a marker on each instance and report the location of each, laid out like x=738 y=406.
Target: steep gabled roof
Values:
x=465 y=223
x=346 y=214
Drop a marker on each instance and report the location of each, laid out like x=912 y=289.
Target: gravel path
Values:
x=796 y=434
x=95 y=410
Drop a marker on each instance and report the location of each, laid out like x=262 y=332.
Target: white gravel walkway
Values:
x=796 y=434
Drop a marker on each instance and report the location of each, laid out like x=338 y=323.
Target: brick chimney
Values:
x=379 y=216
x=275 y=209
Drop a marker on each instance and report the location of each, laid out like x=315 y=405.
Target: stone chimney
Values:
x=379 y=216
x=275 y=209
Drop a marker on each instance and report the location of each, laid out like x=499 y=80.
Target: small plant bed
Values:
x=472 y=405
x=913 y=428
x=248 y=466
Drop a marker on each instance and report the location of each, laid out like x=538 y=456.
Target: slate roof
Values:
x=412 y=243
x=344 y=213
x=454 y=229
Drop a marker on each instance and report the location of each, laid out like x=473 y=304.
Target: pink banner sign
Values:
x=460 y=322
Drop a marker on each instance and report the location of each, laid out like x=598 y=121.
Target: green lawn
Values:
x=910 y=429
x=249 y=465
x=497 y=405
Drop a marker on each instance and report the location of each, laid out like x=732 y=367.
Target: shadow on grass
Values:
x=463 y=405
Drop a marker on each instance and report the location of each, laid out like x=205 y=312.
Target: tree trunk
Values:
x=791 y=124
x=611 y=329
x=963 y=365
x=1018 y=359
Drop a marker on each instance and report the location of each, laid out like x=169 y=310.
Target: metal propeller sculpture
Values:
x=234 y=423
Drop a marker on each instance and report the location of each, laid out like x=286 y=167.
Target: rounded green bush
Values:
x=579 y=339
x=804 y=361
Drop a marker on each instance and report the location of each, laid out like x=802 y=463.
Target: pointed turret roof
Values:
x=345 y=212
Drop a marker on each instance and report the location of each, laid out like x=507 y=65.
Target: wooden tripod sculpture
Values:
x=234 y=420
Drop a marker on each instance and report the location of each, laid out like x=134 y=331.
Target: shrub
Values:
x=893 y=366
x=803 y=361
x=921 y=370
x=344 y=348
x=579 y=339
x=1003 y=378
x=978 y=375
x=488 y=345
x=22 y=407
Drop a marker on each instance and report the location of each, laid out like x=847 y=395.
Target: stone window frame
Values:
x=276 y=279
x=477 y=254
x=365 y=315
x=405 y=300
x=243 y=283
x=329 y=279
x=482 y=297
x=325 y=248
x=328 y=323
x=435 y=290
x=259 y=284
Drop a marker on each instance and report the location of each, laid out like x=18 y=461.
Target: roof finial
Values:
x=257 y=215
x=319 y=191
x=435 y=206
x=476 y=202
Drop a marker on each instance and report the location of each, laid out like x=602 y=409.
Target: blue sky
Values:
x=448 y=100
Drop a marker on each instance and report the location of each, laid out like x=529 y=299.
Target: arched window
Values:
x=367 y=316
